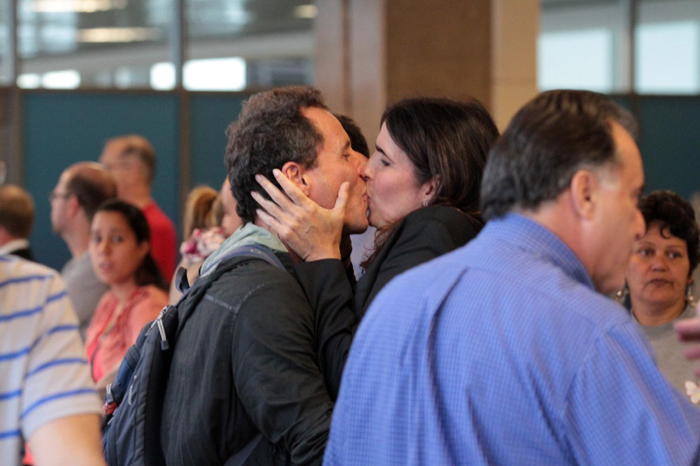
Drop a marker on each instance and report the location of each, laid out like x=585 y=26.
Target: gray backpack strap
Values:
x=239 y=458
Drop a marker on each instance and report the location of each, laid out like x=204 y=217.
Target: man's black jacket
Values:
x=245 y=362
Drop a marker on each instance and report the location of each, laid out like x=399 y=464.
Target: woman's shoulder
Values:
x=151 y=295
x=442 y=216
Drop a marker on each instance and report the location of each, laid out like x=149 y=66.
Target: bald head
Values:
x=16 y=211
x=90 y=183
x=127 y=156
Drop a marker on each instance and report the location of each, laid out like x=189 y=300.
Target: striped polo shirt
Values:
x=44 y=374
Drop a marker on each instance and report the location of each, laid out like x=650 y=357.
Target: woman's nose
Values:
x=658 y=262
x=103 y=247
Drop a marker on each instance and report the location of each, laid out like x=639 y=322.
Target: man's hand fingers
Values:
x=270 y=207
x=688 y=329
x=342 y=200
x=278 y=196
x=292 y=190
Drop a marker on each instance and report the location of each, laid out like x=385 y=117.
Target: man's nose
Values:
x=641 y=226
x=365 y=170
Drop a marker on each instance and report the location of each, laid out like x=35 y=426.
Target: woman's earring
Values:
x=425 y=203
x=621 y=294
x=689 y=295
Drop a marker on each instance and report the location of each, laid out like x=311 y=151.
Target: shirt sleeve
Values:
x=329 y=292
x=58 y=382
x=275 y=370
x=620 y=410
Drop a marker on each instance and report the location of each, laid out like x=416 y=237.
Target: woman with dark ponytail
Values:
x=120 y=253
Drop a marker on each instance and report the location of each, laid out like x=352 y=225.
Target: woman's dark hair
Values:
x=675 y=216
x=446 y=140
x=148 y=272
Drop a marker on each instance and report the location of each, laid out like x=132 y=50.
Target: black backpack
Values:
x=134 y=402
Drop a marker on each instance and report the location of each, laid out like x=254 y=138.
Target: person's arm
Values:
x=73 y=440
x=688 y=330
x=59 y=404
x=330 y=294
x=314 y=234
x=621 y=410
x=275 y=370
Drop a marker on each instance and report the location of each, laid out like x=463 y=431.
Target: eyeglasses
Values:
x=54 y=196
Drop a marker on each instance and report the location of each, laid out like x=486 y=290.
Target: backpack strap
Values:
x=244 y=453
x=252 y=251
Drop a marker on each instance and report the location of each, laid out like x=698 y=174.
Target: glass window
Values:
x=5 y=52
x=576 y=60
x=92 y=43
x=583 y=45
x=237 y=44
x=667 y=49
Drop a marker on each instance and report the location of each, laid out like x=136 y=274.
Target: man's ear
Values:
x=73 y=204
x=295 y=173
x=584 y=192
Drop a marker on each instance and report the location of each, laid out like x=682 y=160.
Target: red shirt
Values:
x=163 y=239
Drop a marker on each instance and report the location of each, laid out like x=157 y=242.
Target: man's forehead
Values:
x=334 y=136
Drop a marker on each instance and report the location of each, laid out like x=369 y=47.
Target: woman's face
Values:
x=392 y=187
x=657 y=274
x=114 y=251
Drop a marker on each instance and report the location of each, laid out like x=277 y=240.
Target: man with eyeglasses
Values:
x=79 y=192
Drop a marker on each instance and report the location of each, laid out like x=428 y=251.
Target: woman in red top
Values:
x=120 y=253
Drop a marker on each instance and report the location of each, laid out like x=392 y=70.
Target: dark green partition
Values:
x=670 y=143
x=61 y=128
x=210 y=116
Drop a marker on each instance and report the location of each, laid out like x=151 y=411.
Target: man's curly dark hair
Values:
x=676 y=216
x=270 y=131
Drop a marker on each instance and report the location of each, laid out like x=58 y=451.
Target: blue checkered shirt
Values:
x=502 y=353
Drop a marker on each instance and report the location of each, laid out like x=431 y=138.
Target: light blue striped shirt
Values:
x=44 y=374
x=502 y=353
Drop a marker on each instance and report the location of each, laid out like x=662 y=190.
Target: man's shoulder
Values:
x=255 y=279
x=15 y=268
x=155 y=216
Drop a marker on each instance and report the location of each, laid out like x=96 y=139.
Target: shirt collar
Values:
x=14 y=245
x=245 y=235
x=527 y=234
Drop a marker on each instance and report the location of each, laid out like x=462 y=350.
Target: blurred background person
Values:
x=132 y=161
x=210 y=218
x=659 y=278
x=120 y=254
x=16 y=220
x=46 y=394
x=80 y=190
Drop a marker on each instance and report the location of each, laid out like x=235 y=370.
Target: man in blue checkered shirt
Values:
x=506 y=351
